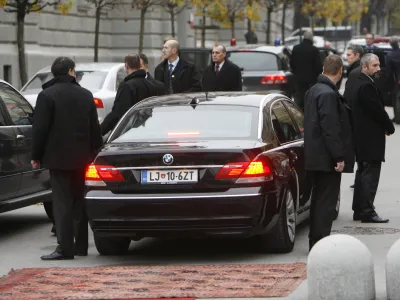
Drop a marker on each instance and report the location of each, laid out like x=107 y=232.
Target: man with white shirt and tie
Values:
x=177 y=74
x=221 y=75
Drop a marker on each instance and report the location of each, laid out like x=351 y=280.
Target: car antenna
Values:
x=194 y=102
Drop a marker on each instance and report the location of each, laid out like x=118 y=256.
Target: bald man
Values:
x=178 y=75
x=221 y=75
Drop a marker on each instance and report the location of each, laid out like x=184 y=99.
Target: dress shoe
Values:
x=356 y=217
x=81 y=253
x=375 y=219
x=56 y=256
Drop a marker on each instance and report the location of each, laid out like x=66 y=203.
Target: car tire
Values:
x=282 y=237
x=336 y=215
x=48 y=208
x=111 y=245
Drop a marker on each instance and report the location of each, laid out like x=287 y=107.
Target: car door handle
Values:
x=20 y=137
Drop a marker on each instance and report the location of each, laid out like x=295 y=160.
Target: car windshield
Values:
x=255 y=61
x=91 y=80
x=203 y=122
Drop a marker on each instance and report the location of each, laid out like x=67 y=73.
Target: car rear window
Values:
x=91 y=80
x=255 y=61
x=203 y=122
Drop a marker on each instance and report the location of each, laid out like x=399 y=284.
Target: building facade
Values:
x=49 y=34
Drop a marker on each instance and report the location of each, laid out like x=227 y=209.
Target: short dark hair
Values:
x=144 y=58
x=332 y=64
x=61 y=66
x=356 y=49
x=132 y=61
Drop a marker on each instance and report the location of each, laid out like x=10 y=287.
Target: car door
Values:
x=291 y=139
x=298 y=119
x=20 y=113
x=10 y=169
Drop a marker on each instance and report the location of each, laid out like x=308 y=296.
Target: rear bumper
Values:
x=194 y=215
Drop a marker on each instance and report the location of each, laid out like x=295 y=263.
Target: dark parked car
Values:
x=20 y=185
x=167 y=172
x=265 y=68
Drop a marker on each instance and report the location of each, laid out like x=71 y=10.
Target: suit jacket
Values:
x=186 y=77
x=370 y=120
x=229 y=78
x=158 y=85
x=65 y=131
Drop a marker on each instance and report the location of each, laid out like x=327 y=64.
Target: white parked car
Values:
x=102 y=79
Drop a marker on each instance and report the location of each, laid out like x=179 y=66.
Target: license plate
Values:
x=169 y=176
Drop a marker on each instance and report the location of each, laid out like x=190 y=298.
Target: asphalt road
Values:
x=25 y=236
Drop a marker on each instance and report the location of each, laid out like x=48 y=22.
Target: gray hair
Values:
x=308 y=35
x=356 y=49
x=394 y=42
x=367 y=58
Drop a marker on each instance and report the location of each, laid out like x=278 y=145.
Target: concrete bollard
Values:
x=393 y=272
x=340 y=267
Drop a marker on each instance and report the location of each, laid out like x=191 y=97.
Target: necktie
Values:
x=216 y=69
x=170 y=91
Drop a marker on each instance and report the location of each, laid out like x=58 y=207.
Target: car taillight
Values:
x=246 y=172
x=98 y=175
x=273 y=79
x=98 y=102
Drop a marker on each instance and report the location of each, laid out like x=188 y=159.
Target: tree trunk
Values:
x=172 y=15
x=23 y=74
x=249 y=25
x=283 y=21
x=141 y=34
x=96 y=34
x=268 y=33
x=203 y=29
x=233 y=26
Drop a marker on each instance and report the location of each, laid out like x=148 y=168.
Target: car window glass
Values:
x=121 y=74
x=20 y=111
x=297 y=116
x=286 y=131
x=255 y=61
x=2 y=118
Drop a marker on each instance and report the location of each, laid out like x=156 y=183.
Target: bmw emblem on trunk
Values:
x=168 y=159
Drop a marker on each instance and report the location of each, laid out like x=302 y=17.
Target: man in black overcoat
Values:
x=222 y=74
x=371 y=126
x=65 y=139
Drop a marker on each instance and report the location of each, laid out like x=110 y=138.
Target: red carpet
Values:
x=144 y=282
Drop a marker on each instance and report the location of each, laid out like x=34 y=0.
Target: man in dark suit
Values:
x=371 y=125
x=133 y=89
x=178 y=75
x=328 y=146
x=65 y=139
x=221 y=75
x=144 y=65
x=306 y=65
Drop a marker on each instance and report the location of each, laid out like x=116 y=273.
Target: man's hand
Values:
x=339 y=166
x=388 y=134
x=35 y=164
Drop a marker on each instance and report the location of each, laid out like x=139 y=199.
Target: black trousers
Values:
x=365 y=188
x=69 y=210
x=301 y=89
x=325 y=193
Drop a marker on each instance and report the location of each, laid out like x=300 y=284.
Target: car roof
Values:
x=261 y=48
x=252 y=99
x=88 y=67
